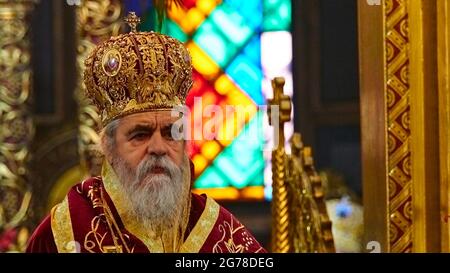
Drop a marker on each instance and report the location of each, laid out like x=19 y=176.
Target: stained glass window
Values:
x=237 y=47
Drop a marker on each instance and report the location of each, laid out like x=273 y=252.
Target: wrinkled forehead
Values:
x=154 y=118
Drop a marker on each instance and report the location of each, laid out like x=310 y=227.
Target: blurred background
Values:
x=237 y=48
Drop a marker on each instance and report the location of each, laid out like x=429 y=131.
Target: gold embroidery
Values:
x=112 y=249
x=110 y=220
x=61 y=225
x=94 y=238
x=94 y=196
x=202 y=228
x=227 y=243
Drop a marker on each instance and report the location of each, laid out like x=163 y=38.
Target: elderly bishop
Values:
x=142 y=202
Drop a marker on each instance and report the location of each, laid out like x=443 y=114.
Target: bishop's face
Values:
x=151 y=167
x=148 y=133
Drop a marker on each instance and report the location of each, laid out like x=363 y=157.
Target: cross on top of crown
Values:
x=132 y=20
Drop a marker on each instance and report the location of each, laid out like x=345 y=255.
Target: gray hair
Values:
x=108 y=136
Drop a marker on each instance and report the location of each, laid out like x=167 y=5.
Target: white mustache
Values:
x=152 y=161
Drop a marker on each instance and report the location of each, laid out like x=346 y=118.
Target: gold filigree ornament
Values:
x=137 y=72
x=111 y=62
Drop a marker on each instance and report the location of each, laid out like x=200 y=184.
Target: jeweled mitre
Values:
x=137 y=72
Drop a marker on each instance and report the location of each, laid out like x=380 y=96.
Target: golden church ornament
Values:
x=111 y=62
x=133 y=21
x=137 y=72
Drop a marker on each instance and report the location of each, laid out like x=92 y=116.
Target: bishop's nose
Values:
x=157 y=145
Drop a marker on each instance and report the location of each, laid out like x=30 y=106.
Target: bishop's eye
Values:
x=139 y=136
x=166 y=132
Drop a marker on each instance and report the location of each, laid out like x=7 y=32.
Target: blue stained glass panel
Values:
x=248 y=76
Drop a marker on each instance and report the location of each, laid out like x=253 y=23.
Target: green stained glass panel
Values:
x=211 y=178
x=240 y=164
x=211 y=40
x=231 y=24
x=171 y=28
x=277 y=15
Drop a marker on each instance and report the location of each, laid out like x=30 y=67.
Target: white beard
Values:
x=157 y=200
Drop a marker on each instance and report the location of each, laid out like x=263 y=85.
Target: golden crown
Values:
x=137 y=72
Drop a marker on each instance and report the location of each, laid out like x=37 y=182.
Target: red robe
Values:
x=86 y=219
